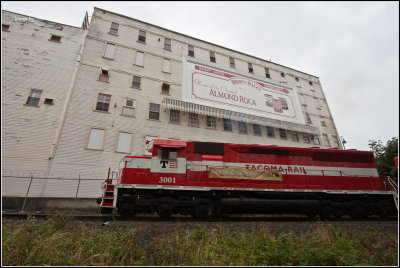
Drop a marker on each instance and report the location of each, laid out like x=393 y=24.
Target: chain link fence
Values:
x=64 y=191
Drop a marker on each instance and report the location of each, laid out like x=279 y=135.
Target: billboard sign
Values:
x=225 y=90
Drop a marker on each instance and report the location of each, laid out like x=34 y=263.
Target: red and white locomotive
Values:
x=204 y=178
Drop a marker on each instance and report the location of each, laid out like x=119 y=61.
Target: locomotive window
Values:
x=170 y=154
x=209 y=148
x=173 y=155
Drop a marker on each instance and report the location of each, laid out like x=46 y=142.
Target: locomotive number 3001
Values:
x=166 y=180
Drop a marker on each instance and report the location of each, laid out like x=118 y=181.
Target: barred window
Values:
x=270 y=131
x=167 y=44
x=267 y=75
x=191 y=50
x=316 y=140
x=282 y=133
x=232 y=62
x=212 y=56
x=210 y=122
x=308 y=119
x=103 y=102
x=306 y=138
x=34 y=97
x=250 y=65
x=294 y=136
x=242 y=128
x=193 y=119
x=154 y=111
x=104 y=75
x=142 y=36
x=174 y=116
x=256 y=130
x=326 y=140
x=165 y=89
x=114 y=28
x=136 y=82
x=227 y=124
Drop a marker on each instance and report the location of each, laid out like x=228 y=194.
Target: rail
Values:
x=396 y=192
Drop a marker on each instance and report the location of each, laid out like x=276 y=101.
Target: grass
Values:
x=63 y=241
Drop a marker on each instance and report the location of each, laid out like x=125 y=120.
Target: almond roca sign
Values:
x=225 y=90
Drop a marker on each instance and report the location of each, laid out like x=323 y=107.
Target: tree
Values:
x=384 y=156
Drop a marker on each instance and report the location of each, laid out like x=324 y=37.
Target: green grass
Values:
x=63 y=241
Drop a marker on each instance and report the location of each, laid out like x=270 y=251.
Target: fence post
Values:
x=26 y=196
x=76 y=195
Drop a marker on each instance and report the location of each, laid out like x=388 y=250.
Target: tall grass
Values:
x=64 y=241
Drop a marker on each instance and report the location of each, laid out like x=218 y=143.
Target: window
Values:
x=256 y=130
x=154 y=111
x=227 y=124
x=167 y=66
x=136 y=82
x=55 y=38
x=282 y=133
x=308 y=119
x=316 y=140
x=191 y=50
x=212 y=56
x=139 y=58
x=297 y=79
x=165 y=89
x=306 y=138
x=104 y=75
x=168 y=154
x=242 y=128
x=282 y=74
x=5 y=27
x=167 y=44
x=109 y=51
x=250 y=67
x=48 y=101
x=124 y=142
x=326 y=140
x=142 y=36
x=210 y=122
x=270 y=131
x=174 y=116
x=114 y=28
x=335 y=141
x=103 y=102
x=128 y=109
x=323 y=122
x=96 y=139
x=34 y=97
x=267 y=75
x=310 y=83
x=232 y=62
x=294 y=136
x=193 y=119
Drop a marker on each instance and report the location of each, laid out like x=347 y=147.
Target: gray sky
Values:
x=353 y=47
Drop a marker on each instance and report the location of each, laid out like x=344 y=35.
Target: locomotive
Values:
x=206 y=179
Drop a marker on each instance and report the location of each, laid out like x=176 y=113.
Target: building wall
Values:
x=72 y=152
x=31 y=61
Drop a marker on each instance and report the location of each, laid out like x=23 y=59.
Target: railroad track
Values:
x=224 y=218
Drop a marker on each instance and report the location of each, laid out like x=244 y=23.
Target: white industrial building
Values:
x=75 y=100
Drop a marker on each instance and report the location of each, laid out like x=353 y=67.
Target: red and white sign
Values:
x=212 y=87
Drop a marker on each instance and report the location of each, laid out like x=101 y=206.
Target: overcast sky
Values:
x=353 y=47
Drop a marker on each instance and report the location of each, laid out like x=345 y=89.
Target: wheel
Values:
x=357 y=210
x=165 y=206
x=201 y=210
x=126 y=210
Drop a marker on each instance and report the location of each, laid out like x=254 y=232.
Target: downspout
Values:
x=66 y=106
